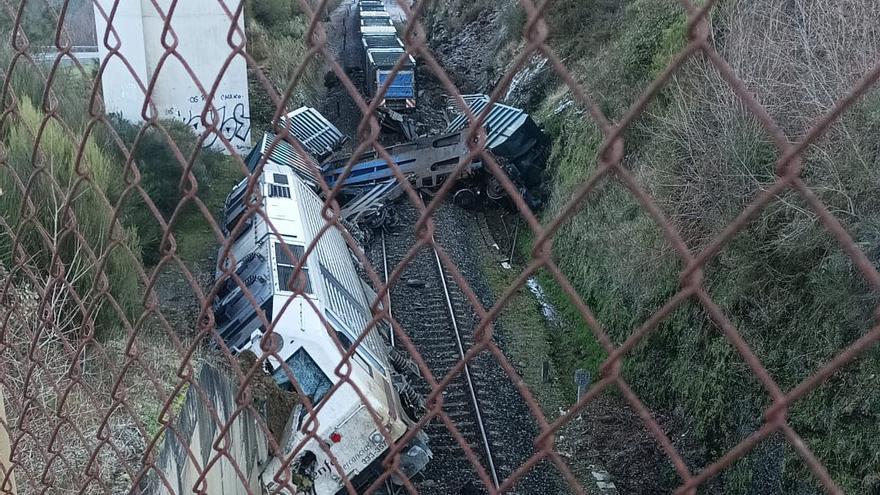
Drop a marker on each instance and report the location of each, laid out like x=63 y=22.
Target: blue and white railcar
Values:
x=306 y=308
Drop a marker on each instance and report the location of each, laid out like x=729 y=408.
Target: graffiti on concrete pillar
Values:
x=234 y=118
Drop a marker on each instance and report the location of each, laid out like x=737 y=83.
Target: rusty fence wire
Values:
x=75 y=420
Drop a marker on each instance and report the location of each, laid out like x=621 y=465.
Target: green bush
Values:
x=161 y=174
x=44 y=225
x=783 y=281
x=276 y=32
x=273 y=14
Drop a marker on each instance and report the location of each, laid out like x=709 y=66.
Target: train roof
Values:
x=381 y=14
x=386 y=58
x=377 y=21
x=502 y=122
x=379 y=30
x=371 y=7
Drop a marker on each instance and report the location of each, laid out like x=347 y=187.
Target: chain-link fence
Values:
x=98 y=348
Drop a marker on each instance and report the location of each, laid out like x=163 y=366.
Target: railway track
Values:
x=481 y=401
x=453 y=393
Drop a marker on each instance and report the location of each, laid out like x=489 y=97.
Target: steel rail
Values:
x=387 y=292
x=467 y=372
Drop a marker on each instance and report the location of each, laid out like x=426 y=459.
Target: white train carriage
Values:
x=342 y=424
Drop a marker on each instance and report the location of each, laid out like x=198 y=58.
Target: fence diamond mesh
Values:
x=95 y=370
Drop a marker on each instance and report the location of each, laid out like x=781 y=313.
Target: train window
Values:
x=313 y=382
x=287 y=267
x=276 y=191
x=346 y=342
x=346 y=345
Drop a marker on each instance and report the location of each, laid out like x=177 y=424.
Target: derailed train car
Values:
x=316 y=307
x=513 y=138
x=511 y=135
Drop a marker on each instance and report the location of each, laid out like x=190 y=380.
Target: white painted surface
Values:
x=125 y=77
x=201 y=37
x=190 y=460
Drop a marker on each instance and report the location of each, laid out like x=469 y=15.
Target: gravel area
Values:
x=419 y=308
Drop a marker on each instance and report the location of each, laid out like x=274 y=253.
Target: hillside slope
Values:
x=784 y=282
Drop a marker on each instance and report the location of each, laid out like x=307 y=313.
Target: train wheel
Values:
x=494 y=190
x=465 y=198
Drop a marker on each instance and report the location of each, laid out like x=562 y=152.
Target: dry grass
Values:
x=783 y=281
x=80 y=414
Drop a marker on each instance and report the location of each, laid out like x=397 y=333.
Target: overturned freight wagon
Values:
x=511 y=135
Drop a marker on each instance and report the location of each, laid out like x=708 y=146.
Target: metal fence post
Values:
x=7 y=482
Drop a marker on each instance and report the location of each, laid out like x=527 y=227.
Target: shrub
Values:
x=783 y=281
x=161 y=174
x=276 y=32
x=55 y=181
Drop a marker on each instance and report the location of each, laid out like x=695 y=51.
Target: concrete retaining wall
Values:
x=189 y=460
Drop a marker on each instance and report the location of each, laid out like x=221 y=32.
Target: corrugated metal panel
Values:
x=316 y=134
x=501 y=123
x=386 y=58
x=381 y=41
x=378 y=30
x=376 y=21
x=345 y=296
x=380 y=14
x=284 y=154
x=401 y=86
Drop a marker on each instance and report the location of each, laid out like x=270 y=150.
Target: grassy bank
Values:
x=785 y=284
x=276 y=32
x=698 y=151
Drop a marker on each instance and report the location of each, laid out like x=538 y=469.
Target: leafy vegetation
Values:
x=784 y=282
x=61 y=199
x=276 y=32
x=160 y=173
